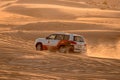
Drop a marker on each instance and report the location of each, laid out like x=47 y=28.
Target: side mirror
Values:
x=47 y=37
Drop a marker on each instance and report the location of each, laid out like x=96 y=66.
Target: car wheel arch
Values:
x=39 y=43
x=60 y=46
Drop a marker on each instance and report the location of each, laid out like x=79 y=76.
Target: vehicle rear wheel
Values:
x=64 y=49
x=39 y=47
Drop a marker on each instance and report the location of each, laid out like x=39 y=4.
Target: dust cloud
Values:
x=111 y=50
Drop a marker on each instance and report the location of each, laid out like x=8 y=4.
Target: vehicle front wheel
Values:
x=39 y=47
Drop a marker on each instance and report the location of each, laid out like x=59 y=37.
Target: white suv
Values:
x=62 y=42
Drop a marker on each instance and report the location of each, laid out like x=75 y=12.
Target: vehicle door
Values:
x=49 y=39
x=54 y=42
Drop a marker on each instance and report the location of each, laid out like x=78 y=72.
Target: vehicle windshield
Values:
x=51 y=36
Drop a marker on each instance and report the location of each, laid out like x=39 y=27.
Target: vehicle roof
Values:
x=67 y=33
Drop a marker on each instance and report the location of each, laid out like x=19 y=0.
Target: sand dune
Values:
x=19 y=60
x=53 y=12
x=22 y=21
x=103 y=4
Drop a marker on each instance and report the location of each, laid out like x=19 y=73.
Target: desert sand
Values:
x=22 y=21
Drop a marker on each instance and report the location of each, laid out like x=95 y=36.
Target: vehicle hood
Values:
x=39 y=40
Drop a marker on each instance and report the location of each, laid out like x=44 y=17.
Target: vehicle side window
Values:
x=78 y=39
x=66 y=37
x=59 y=37
x=51 y=36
